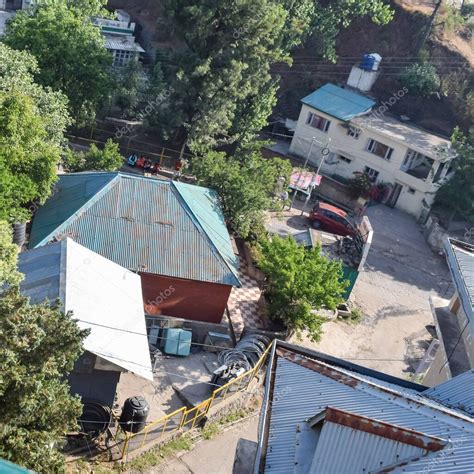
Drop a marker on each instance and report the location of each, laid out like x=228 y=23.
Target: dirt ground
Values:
x=393 y=293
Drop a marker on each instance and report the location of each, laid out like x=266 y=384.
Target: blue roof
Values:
x=340 y=103
x=144 y=224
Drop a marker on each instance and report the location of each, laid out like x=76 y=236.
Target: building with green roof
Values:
x=173 y=234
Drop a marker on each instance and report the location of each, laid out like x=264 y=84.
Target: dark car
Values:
x=332 y=219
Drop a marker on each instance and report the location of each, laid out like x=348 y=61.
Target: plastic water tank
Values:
x=19 y=233
x=370 y=62
x=134 y=414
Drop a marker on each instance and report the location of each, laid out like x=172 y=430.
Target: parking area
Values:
x=393 y=292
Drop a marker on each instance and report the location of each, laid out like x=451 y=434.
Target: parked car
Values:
x=332 y=219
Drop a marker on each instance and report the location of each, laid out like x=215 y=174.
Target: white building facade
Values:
x=412 y=163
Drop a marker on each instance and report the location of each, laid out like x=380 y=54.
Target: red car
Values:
x=332 y=219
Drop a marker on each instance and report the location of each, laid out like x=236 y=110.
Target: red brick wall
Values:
x=189 y=299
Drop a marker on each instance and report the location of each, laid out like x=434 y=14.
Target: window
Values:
x=371 y=173
x=353 y=132
x=344 y=159
x=318 y=122
x=379 y=149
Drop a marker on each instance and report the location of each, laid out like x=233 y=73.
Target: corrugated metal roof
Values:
x=122 y=43
x=298 y=392
x=104 y=297
x=460 y=257
x=340 y=103
x=344 y=450
x=456 y=393
x=143 y=224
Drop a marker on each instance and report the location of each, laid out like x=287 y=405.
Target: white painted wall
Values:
x=356 y=151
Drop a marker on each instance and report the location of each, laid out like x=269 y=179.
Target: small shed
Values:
x=103 y=297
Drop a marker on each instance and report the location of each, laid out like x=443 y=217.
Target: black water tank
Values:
x=134 y=414
x=19 y=233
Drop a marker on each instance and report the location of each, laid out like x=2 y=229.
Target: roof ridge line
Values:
x=424 y=401
x=85 y=206
x=200 y=226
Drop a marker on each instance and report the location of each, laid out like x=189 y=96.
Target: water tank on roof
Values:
x=370 y=62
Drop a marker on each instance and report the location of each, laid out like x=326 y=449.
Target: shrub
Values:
x=420 y=79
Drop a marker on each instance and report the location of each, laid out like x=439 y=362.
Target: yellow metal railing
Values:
x=188 y=417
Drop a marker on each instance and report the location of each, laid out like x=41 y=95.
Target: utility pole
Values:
x=324 y=152
x=304 y=168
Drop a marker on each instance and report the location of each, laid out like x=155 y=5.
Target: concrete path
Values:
x=215 y=456
x=393 y=293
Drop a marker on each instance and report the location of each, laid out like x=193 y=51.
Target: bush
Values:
x=107 y=159
x=360 y=185
x=420 y=79
x=299 y=281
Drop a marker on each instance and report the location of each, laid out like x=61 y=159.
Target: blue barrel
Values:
x=367 y=62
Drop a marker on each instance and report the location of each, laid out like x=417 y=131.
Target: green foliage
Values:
x=221 y=77
x=107 y=159
x=28 y=159
x=8 y=256
x=450 y=19
x=360 y=185
x=245 y=182
x=131 y=86
x=70 y=52
x=17 y=71
x=36 y=408
x=457 y=194
x=299 y=281
x=420 y=79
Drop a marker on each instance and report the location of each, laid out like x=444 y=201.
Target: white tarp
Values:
x=107 y=298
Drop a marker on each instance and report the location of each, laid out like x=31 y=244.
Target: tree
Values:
x=17 y=72
x=70 y=52
x=221 y=74
x=457 y=194
x=36 y=409
x=421 y=79
x=8 y=256
x=107 y=159
x=299 y=281
x=27 y=157
x=245 y=182
x=131 y=87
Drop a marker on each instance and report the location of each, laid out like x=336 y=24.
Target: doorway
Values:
x=394 y=195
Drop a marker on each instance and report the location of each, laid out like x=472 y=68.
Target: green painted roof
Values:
x=144 y=224
x=340 y=103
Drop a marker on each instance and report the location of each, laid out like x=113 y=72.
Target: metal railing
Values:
x=186 y=418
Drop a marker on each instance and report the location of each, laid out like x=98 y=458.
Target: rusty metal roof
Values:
x=144 y=224
x=304 y=385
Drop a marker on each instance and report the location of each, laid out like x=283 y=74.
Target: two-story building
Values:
x=119 y=36
x=410 y=161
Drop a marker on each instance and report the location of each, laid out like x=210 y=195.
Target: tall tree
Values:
x=221 y=73
x=457 y=194
x=27 y=157
x=17 y=74
x=299 y=281
x=36 y=408
x=245 y=182
x=70 y=52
